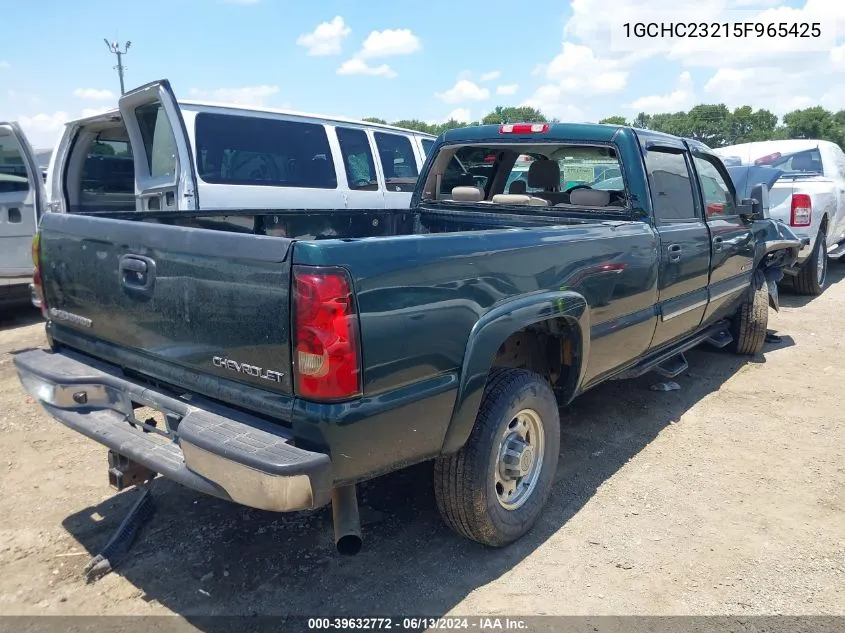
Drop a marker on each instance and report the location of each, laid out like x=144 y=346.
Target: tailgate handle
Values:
x=137 y=272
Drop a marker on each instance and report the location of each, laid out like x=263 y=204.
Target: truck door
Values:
x=21 y=203
x=165 y=177
x=732 y=246
x=684 y=241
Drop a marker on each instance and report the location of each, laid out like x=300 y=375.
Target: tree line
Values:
x=714 y=125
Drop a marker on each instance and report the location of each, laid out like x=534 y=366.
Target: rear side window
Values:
x=671 y=189
x=240 y=150
x=159 y=142
x=357 y=159
x=13 y=175
x=398 y=161
x=427 y=144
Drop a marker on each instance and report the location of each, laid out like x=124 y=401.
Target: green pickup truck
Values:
x=287 y=355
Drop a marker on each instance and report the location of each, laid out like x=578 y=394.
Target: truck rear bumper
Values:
x=206 y=447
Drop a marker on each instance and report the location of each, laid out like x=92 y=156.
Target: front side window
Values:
x=671 y=188
x=397 y=161
x=718 y=198
x=159 y=142
x=242 y=150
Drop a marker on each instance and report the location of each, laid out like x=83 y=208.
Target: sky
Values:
x=401 y=59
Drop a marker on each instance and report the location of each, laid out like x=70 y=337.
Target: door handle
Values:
x=674 y=252
x=137 y=272
x=717 y=244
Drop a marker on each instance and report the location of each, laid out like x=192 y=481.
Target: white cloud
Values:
x=247 y=95
x=463 y=90
x=461 y=115
x=507 y=89
x=4 y=64
x=93 y=94
x=326 y=39
x=837 y=55
x=495 y=74
x=86 y=112
x=773 y=88
x=43 y=129
x=578 y=69
x=357 y=66
x=681 y=98
x=389 y=43
x=552 y=101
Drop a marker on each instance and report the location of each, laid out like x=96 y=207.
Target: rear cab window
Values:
x=564 y=175
x=243 y=150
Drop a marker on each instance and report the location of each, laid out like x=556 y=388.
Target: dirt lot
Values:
x=726 y=497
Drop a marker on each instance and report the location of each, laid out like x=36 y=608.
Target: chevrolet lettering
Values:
x=249 y=370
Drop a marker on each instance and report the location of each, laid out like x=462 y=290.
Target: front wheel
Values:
x=493 y=490
x=813 y=273
x=748 y=326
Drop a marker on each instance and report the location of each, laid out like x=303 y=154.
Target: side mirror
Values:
x=757 y=206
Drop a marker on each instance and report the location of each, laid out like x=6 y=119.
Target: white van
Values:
x=21 y=203
x=157 y=153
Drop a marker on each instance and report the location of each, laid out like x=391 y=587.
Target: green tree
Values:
x=748 y=125
x=522 y=114
x=814 y=123
x=642 y=121
x=615 y=120
x=709 y=124
x=374 y=119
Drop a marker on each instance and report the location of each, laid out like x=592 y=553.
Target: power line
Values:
x=114 y=47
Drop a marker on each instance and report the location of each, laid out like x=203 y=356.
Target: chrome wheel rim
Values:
x=519 y=459
x=821 y=266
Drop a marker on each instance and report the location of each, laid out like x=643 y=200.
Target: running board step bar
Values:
x=837 y=251
x=672 y=367
x=720 y=339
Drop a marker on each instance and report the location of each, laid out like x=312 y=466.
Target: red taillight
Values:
x=37 y=286
x=802 y=210
x=768 y=158
x=326 y=358
x=524 y=128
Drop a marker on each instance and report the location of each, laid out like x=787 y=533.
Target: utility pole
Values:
x=114 y=47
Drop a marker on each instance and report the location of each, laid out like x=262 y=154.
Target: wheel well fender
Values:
x=488 y=335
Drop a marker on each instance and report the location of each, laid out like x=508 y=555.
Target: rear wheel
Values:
x=493 y=490
x=749 y=324
x=813 y=273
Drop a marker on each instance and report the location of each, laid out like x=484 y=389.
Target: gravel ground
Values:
x=725 y=497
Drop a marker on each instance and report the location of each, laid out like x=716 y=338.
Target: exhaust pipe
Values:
x=347 y=524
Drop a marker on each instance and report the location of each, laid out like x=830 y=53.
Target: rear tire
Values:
x=748 y=326
x=811 y=277
x=487 y=491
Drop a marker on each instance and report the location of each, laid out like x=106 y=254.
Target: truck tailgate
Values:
x=214 y=302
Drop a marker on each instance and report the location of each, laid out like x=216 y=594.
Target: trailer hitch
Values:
x=122 y=471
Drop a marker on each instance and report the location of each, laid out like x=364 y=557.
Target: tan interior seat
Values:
x=589 y=197
x=467 y=194
x=545 y=174
x=520 y=199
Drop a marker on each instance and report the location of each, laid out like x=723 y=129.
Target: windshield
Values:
x=548 y=174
